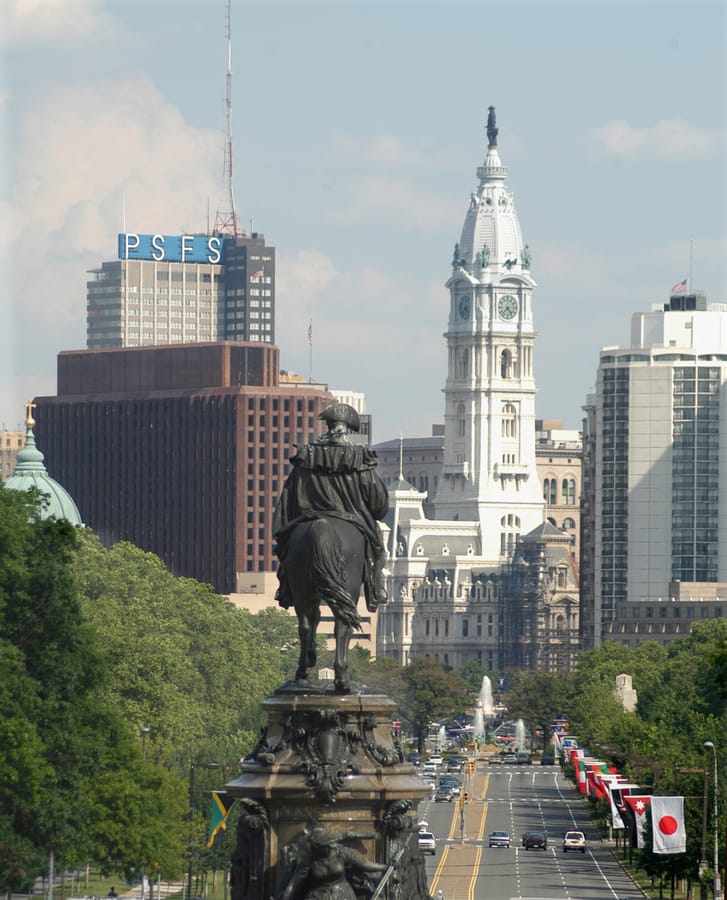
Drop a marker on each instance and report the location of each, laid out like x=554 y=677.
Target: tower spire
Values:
x=226 y=221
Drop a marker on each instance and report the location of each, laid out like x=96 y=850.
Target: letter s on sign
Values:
x=157 y=247
x=213 y=250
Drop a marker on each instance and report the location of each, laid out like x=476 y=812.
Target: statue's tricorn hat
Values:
x=341 y=412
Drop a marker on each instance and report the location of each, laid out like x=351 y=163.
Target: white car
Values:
x=436 y=759
x=427 y=842
x=574 y=840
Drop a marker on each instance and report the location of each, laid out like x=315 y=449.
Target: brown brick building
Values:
x=181 y=450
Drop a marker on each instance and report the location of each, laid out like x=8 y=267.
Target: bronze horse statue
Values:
x=328 y=539
x=325 y=562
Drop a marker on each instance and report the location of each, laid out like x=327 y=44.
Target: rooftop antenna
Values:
x=226 y=222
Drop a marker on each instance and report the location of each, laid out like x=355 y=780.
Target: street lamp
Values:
x=715 y=823
x=193 y=766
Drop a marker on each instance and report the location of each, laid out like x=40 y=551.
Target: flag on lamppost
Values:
x=221 y=807
x=638 y=804
x=667 y=825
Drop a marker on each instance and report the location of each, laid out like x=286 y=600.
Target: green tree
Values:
x=430 y=693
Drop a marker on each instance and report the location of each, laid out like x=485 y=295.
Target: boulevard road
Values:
x=518 y=799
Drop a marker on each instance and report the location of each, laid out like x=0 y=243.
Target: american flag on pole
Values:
x=310 y=332
x=680 y=287
x=256 y=276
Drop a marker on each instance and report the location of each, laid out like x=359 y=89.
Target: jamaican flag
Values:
x=221 y=807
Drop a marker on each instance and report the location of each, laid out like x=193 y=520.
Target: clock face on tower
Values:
x=463 y=305
x=507 y=307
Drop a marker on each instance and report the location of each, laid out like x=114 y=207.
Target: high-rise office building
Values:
x=181 y=450
x=182 y=289
x=655 y=476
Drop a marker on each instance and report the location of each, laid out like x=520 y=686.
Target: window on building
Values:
x=549 y=490
x=509 y=421
x=569 y=491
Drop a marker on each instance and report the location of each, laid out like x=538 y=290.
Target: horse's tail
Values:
x=328 y=572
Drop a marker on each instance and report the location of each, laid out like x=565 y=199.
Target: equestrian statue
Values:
x=328 y=540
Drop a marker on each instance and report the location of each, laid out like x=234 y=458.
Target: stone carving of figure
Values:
x=525 y=257
x=491 y=129
x=484 y=256
x=329 y=871
x=456 y=258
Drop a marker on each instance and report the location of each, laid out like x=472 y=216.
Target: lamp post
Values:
x=193 y=766
x=715 y=823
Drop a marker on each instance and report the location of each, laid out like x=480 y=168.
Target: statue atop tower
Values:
x=491 y=129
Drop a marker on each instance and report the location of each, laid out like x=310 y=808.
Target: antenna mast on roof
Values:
x=226 y=222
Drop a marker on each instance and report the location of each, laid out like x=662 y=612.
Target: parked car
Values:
x=444 y=794
x=427 y=842
x=574 y=840
x=535 y=840
x=499 y=839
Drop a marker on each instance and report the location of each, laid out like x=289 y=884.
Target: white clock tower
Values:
x=489 y=473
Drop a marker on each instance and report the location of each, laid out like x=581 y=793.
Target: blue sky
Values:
x=357 y=131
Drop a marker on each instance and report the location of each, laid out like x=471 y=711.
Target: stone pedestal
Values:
x=327 y=763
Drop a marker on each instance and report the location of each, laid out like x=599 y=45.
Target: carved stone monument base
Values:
x=328 y=805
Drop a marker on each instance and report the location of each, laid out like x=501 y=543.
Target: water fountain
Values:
x=520 y=735
x=441 y=738
x=479 y=722
x=488 y=707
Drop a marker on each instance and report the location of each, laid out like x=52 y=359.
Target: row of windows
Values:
x=567 y=491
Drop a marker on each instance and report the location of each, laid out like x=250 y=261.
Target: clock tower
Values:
x=489 y=472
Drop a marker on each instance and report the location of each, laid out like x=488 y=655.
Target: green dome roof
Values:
x=30 y=472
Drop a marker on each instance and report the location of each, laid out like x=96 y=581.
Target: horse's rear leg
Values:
x=342 y=634
x=312 y=652
x=304 y=634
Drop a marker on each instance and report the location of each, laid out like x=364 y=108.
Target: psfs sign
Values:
x=187 y=248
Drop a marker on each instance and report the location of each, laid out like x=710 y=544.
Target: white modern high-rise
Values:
x=657 y=431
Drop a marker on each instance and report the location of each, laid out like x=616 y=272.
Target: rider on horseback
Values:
x=336 y=479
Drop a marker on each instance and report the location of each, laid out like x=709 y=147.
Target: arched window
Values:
x=509 y=421
x=506 y=364
x=510 y=532
x=569 y=491
x=569 y=524
x=463 y=362
x=549 y=488
x=461 y=422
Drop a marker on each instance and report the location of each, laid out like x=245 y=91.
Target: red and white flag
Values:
x=256 y=276
x=638 y=805
x=667 y=825
x=680 y=287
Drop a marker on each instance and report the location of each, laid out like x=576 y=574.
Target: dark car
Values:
x=444 y=794
x=456 y=764
x=414 y=758
x=535 y=840
x=547 y=761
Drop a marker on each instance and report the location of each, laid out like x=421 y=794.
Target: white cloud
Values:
x=670 y=139
x=385 y=151
x=37 y=22
x=398 y=203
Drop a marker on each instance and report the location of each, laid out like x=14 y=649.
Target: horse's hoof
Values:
x=341 y=686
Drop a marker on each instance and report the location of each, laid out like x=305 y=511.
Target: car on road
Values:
x=414 y=758
x=444 y=794
x=510 y=759
x=456 y=764
x=523 y=758
x=547 y=761
x=535 y=840
x=436 y=759
x=574 y=840
x=426 y=842
x=495 y=759
x=499 y=839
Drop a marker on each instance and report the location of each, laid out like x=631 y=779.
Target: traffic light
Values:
x=466 y=796
x=471 y=766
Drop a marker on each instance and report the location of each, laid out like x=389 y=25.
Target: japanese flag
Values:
x=639 y=805
x=667 y=820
